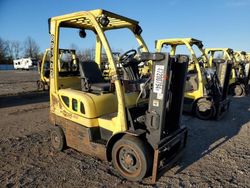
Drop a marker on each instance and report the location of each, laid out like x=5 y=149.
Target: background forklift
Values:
x=67 y=62
x=206 y=90
x=131 y=122
x=248 y=57
x=238 y=83
x=243 y=71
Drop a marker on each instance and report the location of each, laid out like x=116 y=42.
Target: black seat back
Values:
x=90 y=71
x=90 y=74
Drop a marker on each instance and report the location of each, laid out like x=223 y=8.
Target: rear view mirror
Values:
x=200 y=45
x=230 y=51
x=103 y=20
x=82 y=33
x=137 y=30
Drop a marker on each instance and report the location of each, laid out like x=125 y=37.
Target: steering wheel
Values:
x=200 y=59
x=127 y=56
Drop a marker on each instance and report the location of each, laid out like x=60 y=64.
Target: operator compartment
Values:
x=94 y=93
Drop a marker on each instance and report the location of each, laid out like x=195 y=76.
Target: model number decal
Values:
x=52 y=40
x=158 y=79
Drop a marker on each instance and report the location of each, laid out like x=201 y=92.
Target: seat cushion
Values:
x=100 y=87
x=191 y=82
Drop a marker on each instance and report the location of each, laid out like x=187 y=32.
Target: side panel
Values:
x=79 y=137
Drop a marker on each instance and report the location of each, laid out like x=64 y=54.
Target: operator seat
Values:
x=191 y=81
x=91 y=78
x=47 y=73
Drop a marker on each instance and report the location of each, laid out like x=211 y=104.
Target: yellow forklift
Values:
x=131 y=120
x=67 y=59
x=43 y=70
x=206 y=87
x=237 y=84
x=248 y=57
x=242 y=66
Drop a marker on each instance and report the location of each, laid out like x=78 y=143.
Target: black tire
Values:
x=238 y=90
x=243 y=89
x=40 y=85
x=132 y=158
x=205 y=109
x=57 y=138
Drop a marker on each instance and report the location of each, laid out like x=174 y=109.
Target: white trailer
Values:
x=25 y=63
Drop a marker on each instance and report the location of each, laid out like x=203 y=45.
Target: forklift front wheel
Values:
x=40 y=85
x=204 y=109
x=130 y=158
x=57 y=138
x=238 y=90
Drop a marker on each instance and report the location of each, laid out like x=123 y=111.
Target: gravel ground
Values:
x=14 y=82
x=217 y=153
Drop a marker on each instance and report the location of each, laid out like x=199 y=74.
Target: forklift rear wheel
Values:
x=204 y=109
x=244 y=89
x=239 y=90
x=57 y=138
x=40 y=85
x=131 y=158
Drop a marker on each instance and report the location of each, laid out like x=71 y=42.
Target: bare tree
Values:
x=2 y=50
x=7 y=49
x=31 y=48
x=5 y=52
x=16 y=49
x=86 y=54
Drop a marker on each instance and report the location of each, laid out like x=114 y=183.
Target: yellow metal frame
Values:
x=240 y=57
x=41 y=72
x=227 y=57
x=44 y=79
x=248 y=57
x=188 y=42
x=89 y=20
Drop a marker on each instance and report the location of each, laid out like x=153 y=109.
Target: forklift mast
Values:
x=223 y=71
x=166 y=97
x=163 y=118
